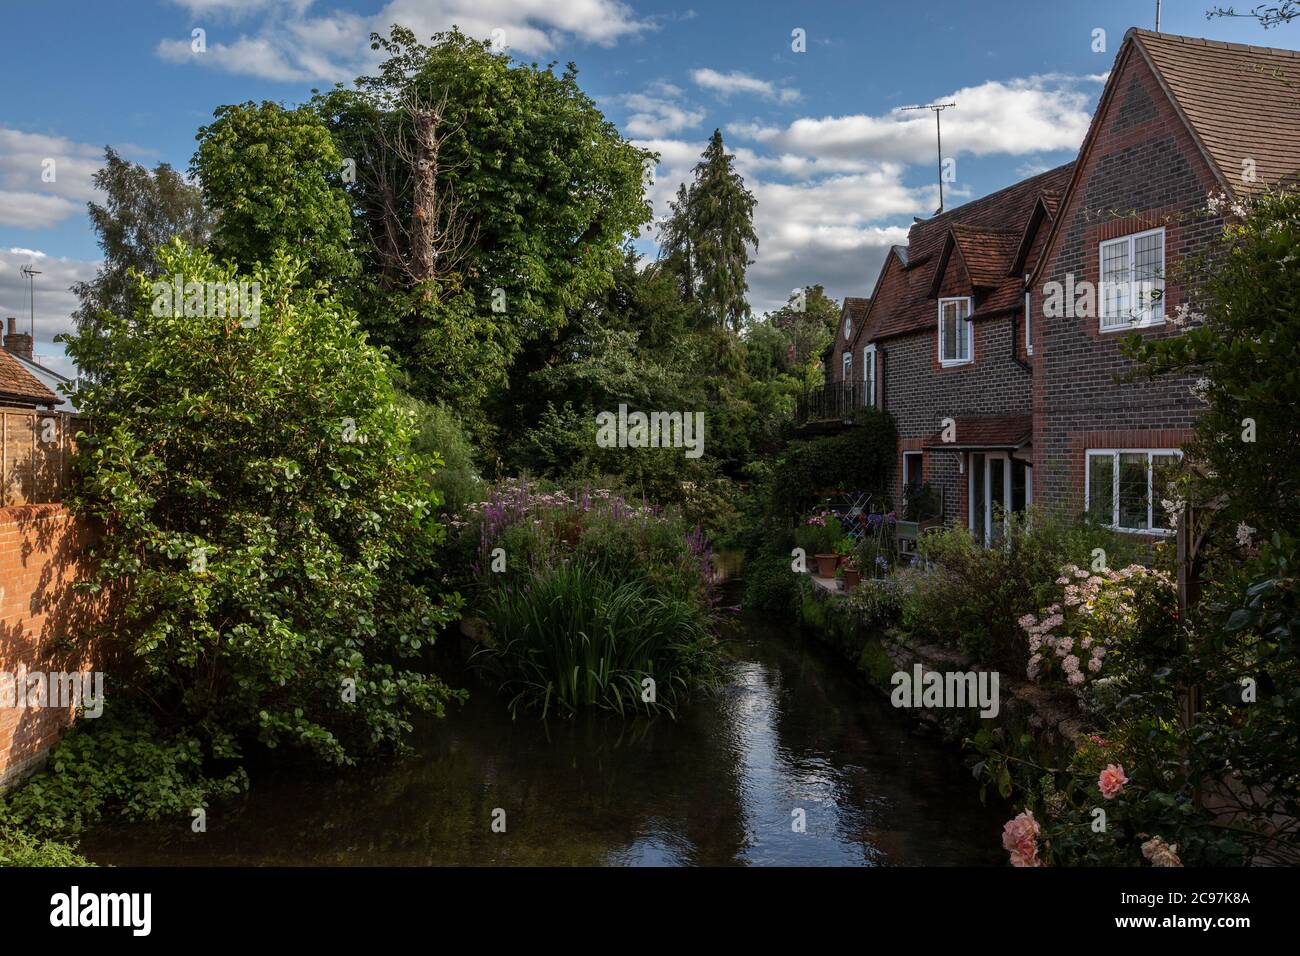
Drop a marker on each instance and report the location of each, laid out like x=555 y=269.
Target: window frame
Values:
x=1157 y=307
x=966 y=324
x=1029 y=318
x=848 y=328
x=846 y=366
x=1114 y=455
x=869 y=374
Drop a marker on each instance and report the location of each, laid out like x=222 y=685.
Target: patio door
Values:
x=997 y=484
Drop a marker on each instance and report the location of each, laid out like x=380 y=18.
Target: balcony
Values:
x=830 y=407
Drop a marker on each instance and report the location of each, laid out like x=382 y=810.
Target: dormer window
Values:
x=954 y=331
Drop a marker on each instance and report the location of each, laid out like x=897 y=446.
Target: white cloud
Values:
x=658 y=112
x=54 y=300
x=725 y=84
x=828 y=229
x=44 y=179
x=1016 y=117
x=296 y=46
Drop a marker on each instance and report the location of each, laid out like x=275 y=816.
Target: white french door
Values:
x=997 y=484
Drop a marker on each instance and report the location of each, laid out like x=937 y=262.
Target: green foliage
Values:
x=708 y=235
x=258 y=490
x=121 y=764
x=771 y=586
x=1248 y=289
x=965 y=595
x=537 y=194
x=819 y=534
x=586 y=596
x=575 y=638
x=142 y=210
x=21 y=849
x=858 y=459
x=273 y=177
x=441 y=440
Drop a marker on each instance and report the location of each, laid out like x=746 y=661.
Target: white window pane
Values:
x=949 y=327
x=1115 y=279
x=1101 y=487
x=1133 y=490
x=1148 y=275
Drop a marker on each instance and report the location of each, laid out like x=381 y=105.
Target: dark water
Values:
x=792 y=729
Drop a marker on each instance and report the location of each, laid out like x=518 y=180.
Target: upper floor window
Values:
x=1029 y=321
x=869 y=375
x=1126 y=488
x=954 y=331
x=848 y=327
x=1132 y=272
x=848 y=367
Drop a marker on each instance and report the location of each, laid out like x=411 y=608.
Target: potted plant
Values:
x=818 y=536
x=851 y=574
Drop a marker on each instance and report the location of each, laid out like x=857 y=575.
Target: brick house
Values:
x=944 y=351
x=1004 y=393
x=839 y=360
x=1179 y=119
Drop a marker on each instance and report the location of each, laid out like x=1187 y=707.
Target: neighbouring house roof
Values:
x=19 y=386
x=991 y=227
x=1239 y=102
x=992 y=433
x=50 y=379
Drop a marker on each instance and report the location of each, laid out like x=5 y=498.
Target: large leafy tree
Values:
x=142 y=210
x=708 y=236
x=258 y=491
x=491 y=200
x=274 y=178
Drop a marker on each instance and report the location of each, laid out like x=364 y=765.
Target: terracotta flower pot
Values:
x=851 y=578
x=826 y=564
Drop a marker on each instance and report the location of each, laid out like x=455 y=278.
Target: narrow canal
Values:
x=791 y=730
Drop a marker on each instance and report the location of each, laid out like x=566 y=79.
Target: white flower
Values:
x=1185 y=314
x=1244 y=531
x=1200 y=388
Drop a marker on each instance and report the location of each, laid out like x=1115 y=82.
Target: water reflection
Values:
x=791 y=730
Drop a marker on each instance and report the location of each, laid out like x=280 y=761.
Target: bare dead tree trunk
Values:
x=424 y=205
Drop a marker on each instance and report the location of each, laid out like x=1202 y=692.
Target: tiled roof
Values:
x=902 y=302
x=1242 y=102
x=20 y=386
x=986 y=252
x=856 y=307
x=991 y=432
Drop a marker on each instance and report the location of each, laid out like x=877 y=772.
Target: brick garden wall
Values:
x=43 y=621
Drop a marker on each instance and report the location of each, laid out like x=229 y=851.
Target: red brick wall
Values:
x=43 y=622
x=1141 y=170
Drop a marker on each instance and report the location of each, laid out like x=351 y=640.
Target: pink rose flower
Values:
x=1112 y=780
x=1020 y=839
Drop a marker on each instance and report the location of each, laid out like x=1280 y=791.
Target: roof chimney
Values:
x=16 y=342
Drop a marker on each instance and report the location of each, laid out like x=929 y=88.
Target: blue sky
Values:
x=838 y=173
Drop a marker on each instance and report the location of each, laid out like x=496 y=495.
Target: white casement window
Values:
x=954 y=331
x=848 y=366
x=869 y=375
x=1126 y=487
x=1029 y=322
x=848 y=327
x=1132 y=271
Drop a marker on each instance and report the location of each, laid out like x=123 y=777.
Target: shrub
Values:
x=259 y=492
x=441 y=440
x=122 y=763
x=771 y=585
x=857 y=458
x=22 y=849
x=970 y=596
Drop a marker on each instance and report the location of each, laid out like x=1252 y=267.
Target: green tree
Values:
x=709 y=234
x=274 y=178
x=259 y=493
x=142 y=210
x=492 y=200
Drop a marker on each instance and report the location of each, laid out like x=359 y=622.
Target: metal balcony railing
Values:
x=833 y=402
